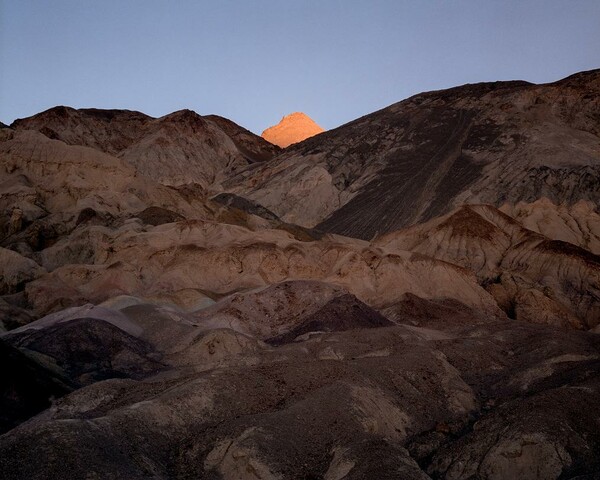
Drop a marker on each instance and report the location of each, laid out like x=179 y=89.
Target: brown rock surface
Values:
x=578 y=224
x=222 y=259
x=16 y=271
x=292 y=128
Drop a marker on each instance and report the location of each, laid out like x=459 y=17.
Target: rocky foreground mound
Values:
x=176 y=300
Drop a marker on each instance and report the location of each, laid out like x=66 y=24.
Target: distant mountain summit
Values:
x=292 y=128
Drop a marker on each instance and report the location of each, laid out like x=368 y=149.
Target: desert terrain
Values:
x=414 y=294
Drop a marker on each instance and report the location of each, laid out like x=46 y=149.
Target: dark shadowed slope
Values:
x=247 y=142
x=27 y=386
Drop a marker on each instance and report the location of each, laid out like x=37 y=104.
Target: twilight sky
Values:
x=253 y=61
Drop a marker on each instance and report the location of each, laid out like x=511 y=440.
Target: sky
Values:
x=254 y=61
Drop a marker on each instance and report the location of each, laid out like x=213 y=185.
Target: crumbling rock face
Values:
x=537 y=437
x=578 y=224
x=88 y=350
x=341 y=313
x=49 y=190
x=16 y=271
x=158 y=216
x=63 y=179
x=247 y=142
x=222 y=259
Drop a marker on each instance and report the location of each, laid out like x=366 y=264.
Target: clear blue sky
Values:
x=255 y=60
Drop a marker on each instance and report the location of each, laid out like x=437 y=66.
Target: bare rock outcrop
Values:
x=222 y=259
x=578 y=224
x=65 y=178
x=494 y=400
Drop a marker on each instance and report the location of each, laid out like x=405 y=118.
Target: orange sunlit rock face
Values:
x=293 y=128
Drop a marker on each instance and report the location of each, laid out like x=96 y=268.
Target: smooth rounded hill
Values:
x=292 y=128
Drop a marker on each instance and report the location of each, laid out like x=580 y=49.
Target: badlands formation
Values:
x=413 y=295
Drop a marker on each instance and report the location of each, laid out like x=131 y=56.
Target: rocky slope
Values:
x=496 y=143
x=292 y=128
x=207 y=258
